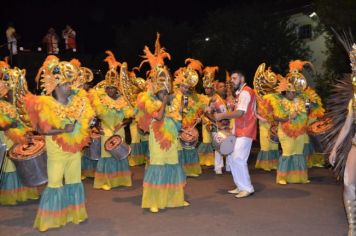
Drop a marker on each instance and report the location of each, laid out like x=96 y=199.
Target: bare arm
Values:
x=162 y=109
x=67 y=129
x=229 y=115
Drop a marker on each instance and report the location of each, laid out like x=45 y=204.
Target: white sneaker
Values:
x=218 y=172
x=234 y=191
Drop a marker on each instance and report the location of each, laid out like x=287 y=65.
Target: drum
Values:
x=117 y=147
x=223 y=142
x=316 y=131
x=30 y=161
x=93 y=151
x=189 y=137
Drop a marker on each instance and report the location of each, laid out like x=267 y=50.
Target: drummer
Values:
x=83 y=82
x=288 y=108
x=245 y=128
x=114 y=112
x=13 y=130
x=164 y=181
x=63 y=115
x=187 y=78
x=205 y=148
x=216 y=104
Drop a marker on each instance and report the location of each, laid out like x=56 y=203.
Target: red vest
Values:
x=246 y=125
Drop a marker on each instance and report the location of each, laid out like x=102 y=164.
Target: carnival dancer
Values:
x=186 y=78
x=264 y=83
x=13 y=131
x=63 y=115
x=114 y=112
x=205 y=148
x=82 y=82
x=138 y=144
x=164 y=181
x=289 y=110
x=315 y=111
x=341 y=138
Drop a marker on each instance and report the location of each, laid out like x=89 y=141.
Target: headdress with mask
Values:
x=4 y=79
x=54 y=72
x=295 y=75
x=209 y=76
x=159 y=75
x=189 y=75
x=111 y=76
x=85 y=75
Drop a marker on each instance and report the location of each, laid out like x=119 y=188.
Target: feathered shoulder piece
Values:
x=46 y=113
x=103 y=104
x=316 y=110
x=164 y=131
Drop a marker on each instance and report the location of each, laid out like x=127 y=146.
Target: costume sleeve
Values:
x=243 y=101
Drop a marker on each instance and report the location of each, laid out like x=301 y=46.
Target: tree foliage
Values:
x=243 y=37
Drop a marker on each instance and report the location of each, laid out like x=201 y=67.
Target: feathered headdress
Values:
x=4 y=66
x=85 y=75
x=209 y=76
x=54 y=72
x=111 y=76
x=265 y=81
x=295 y=75
x=159 y=75
x=4 y=87
x=189 y=75
x=284 y=85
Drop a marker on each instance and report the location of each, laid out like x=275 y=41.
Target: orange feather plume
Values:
x=75 y=62
x=111 y=60
x=158 y=57
x=194 y=64
x=298 y=65
x=211 y=69
x=282 y=85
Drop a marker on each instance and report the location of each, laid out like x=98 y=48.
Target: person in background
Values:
x=12 y=43
x=51 y=40
x=69 y=36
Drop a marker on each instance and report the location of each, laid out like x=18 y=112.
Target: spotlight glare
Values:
x=312 y=14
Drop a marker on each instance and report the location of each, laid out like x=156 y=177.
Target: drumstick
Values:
x=80 y=113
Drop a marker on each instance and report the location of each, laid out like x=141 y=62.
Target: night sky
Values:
x=95 y=21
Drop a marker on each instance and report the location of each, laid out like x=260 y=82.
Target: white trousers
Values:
x=237 y=161
x=219 y=161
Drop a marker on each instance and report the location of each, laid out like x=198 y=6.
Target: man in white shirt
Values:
x=11 y=43
x=245 y=129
